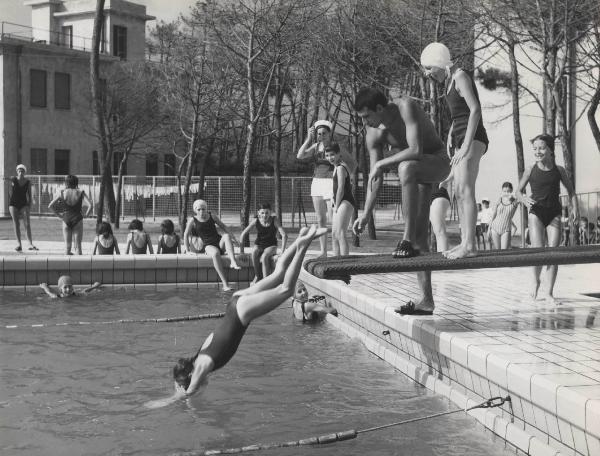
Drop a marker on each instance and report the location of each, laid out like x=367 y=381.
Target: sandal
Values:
x=409 y=309
x=33 y=247
x=404 y=249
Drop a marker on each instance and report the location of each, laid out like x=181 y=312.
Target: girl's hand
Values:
x=527 y=201
x=312 y=133
x=458 y=156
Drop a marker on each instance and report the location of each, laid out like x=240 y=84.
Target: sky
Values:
x=165 y=10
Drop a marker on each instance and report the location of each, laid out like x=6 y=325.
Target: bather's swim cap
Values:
x=64 y=280
x=436 y=55
x=22 y=166
x=197 y=204
x=323 y=123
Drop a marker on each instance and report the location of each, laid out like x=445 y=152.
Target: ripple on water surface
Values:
x=79 y=390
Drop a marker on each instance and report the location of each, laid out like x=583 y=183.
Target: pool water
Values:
x=80 y=389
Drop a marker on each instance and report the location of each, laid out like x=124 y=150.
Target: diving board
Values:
x=342 y=268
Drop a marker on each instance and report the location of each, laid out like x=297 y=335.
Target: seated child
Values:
x=138 y=240
x=105 y=243
x=265 y=245
x=310 y=309
x=65 y=288
x=586 y=230
x=169 y=241
x=203 y=225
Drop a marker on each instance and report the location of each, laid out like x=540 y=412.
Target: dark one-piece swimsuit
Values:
x=165 y=248
x=18 y=196
x=347 y=196
x=545 y=190
x=226 y=337
x=207 y=231
x=266 y=235
x=72 y=215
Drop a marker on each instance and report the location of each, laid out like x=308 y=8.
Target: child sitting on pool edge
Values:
x=65 y=288
x=310 y=309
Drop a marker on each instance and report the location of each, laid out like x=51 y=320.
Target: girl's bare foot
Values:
x=462 y=252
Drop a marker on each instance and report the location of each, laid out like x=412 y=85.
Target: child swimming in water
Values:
x=245 y=305
x=65 y=288
x=310 y=309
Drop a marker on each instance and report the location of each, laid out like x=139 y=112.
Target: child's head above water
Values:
x=104 y=229
x=136 y=225
x=65 y=285
x=167 y=227
x=301 y=293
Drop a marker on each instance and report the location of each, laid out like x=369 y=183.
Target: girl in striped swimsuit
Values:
x=501 y=226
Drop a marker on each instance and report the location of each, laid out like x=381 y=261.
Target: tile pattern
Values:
x=488 y=338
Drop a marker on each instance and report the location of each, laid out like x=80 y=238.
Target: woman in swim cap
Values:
x=467 y=137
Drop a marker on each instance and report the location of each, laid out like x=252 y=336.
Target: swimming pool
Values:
x=75 y=390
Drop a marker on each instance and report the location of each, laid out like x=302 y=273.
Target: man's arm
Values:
x=374 y=145
x=406 y=111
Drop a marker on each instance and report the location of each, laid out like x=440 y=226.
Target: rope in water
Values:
x=343 y=435
x=112 y=322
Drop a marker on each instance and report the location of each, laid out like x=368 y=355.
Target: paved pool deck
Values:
x=488 y=338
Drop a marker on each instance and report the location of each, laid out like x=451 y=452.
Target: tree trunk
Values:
x=120 y=188
x=514 y=80
x=277 y=146
x=591 y=114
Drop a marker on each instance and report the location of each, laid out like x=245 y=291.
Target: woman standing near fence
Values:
x=321 y=189
x=19 y=204
x=68 y=206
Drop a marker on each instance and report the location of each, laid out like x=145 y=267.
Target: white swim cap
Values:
x=323 y=123
x=22 y=166
x=436 y=55
x=197 y=204
x=64 y=280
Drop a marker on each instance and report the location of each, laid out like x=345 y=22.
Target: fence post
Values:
x=153 y=198
x=94 y=197
x=219 y=192
x=123 y=198
x=39 y=193
x=293 y=202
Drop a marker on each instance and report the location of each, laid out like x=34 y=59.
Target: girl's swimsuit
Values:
x=323 y=168
x=545 y=191
x=134 y=247
x=207 y=231
x=440 y=192
x=164 y=248
x=72 y=215
x=226 y=337
x=460 y=112
x=18 y=195
x=105 y=250
x=504 y=214
x=267 y=235
x=347 y=195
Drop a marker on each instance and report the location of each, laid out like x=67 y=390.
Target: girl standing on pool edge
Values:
x=245 y=306
x=544 y=177
x=467 y=136
x=321 y=189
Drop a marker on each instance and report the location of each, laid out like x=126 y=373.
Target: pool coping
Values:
x=133 y=270
x=459 y=367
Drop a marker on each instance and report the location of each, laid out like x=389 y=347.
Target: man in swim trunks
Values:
x=405 y=130
x=245 y=305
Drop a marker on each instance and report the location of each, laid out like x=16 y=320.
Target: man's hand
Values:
x=359 y=225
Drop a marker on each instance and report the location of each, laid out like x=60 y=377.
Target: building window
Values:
x=169 y=164
x=117 y=157
x=120 y=41
x=39 y=161
x=37 y=93
x=67 y=36
x=61 y=161
x=95 y=165
x=152 y=165
x=62 y=90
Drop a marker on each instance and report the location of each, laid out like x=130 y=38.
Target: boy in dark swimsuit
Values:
x=245 y=306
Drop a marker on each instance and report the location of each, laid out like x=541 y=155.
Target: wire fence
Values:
x=156 y=197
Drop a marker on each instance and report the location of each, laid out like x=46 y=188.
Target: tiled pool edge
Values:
x=405 y=343
x=119 y=269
